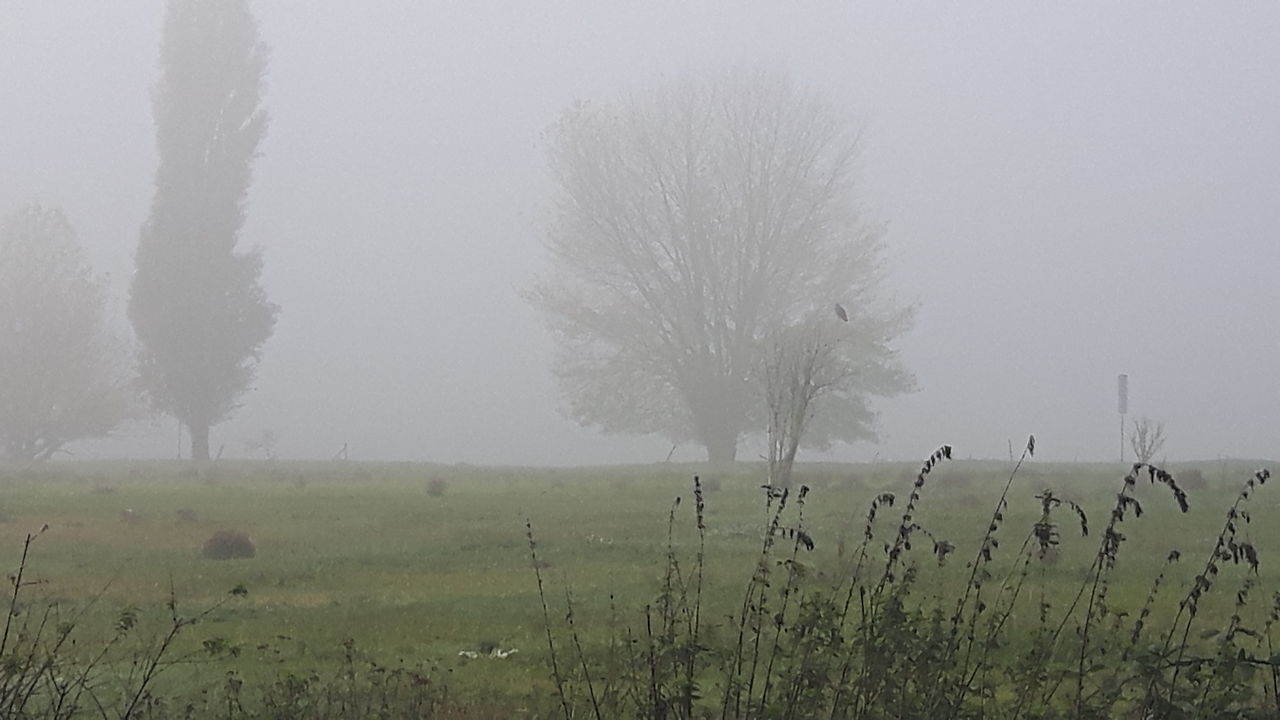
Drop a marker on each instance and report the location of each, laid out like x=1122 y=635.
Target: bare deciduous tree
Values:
x=693 y=224
x=1146 y=438
x=810 y=366
x=800 y=368
x=63 y=373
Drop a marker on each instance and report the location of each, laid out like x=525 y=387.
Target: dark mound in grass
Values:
x=228 y=545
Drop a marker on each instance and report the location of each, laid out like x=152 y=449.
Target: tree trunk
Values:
x=788 y=462
x=199 y=441
x=722 y=446
x=781 y=476
x=716 y=424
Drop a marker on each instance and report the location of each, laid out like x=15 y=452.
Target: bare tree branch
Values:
x=1146 y=438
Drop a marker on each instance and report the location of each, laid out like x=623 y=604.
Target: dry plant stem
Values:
x=546 y=621
x=65 y=689
x=673 y=579
x=1122 y=500
x=23 y=691
x=1103 y=562
x=761 y=605
x=893 y=658
x=868 y=533
x=759 y=577
x=993 y=524
x=670 y=606
x=582 y=657
x=973 y=586
x=1046 y=537
x=1148 y=604
x=796 y=686
x=854 y=576
x=786 y=596
x=67 y=692
x=655 y=695
x=968 y=674
x=907 y=523
x=17 y=588
x=633 y=664
x=870 y=606
x=1084 y=636
x=156 y=660
x=1190 y=603
x=902 y=538
x=1271 y=651
x=1191 y=600
x=1096 y=568
x=696 y=617
x=612 y=663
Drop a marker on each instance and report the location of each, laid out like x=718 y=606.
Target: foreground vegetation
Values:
x=395 y=590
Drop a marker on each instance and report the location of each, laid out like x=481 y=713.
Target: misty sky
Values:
x=1072 y=190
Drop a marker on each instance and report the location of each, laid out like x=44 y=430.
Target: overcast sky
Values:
x=1072 y=190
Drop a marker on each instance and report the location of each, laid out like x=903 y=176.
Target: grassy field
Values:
x=416 y=563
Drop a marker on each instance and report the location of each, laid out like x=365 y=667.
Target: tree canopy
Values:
x=63 y=373
x=692 y=225
x=197 y=306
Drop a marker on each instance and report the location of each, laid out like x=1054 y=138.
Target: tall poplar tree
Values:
x=196 y=303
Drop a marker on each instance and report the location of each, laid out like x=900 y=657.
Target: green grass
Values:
x=368 y=552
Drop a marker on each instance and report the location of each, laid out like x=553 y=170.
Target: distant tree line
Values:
x=714 y=275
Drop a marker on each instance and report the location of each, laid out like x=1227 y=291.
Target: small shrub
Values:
x=436 y=487
x=228 y=545
x=186 y=516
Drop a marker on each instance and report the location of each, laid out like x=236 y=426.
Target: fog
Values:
x=1072 y=191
